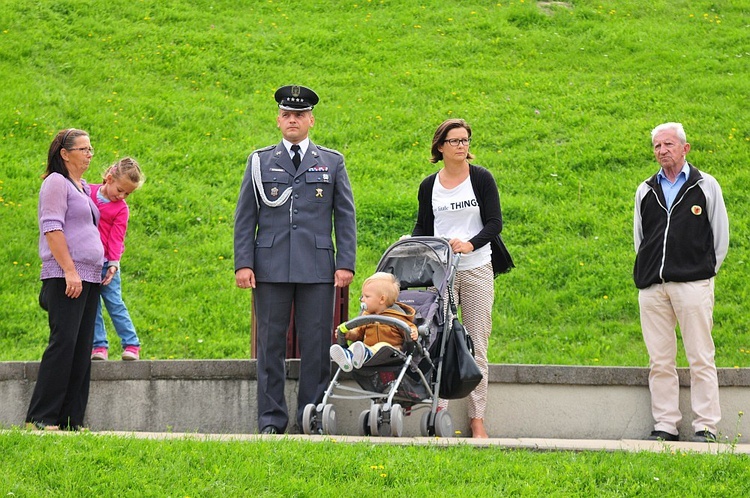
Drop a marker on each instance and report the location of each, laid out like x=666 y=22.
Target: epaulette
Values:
x=270 y=147
x=333 y=151
x=258 y=151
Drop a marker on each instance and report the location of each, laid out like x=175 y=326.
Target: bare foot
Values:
x=477 y=429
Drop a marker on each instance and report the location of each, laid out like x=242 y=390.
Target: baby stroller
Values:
x=401 y=382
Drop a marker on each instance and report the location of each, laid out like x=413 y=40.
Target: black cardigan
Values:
x=488 y=198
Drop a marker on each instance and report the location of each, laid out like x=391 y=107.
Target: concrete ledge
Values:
x=627 y=445
x=524 y=401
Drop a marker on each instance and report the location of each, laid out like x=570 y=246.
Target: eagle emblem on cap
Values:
x=295 y=91
x=697 y=210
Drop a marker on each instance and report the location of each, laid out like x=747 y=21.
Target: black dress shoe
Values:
x=704 y=437
x=270 y=429
x=662 y=436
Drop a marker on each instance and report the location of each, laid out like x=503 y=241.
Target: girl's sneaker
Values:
x=131 y=353
x=100 y=353
x=342 y=356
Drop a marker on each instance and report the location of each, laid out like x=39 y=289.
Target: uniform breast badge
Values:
x=318 y=192
x=274 y=192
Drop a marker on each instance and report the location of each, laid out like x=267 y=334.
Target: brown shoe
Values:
x=41 y=426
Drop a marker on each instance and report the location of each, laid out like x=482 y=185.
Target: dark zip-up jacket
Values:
x=686 y=243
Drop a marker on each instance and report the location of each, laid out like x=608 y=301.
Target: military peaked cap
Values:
x=296 y=98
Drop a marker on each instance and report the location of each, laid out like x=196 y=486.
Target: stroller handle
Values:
x=345 y=327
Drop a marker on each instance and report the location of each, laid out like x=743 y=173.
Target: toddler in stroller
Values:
x=379 y=294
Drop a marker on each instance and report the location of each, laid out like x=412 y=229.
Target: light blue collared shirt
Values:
x=670 y=189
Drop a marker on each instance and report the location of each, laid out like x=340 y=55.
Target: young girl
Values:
x=120 y=180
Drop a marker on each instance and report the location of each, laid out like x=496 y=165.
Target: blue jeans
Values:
x=112 y=296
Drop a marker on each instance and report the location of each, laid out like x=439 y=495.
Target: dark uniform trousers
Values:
x=313 y=319
x=62 y=386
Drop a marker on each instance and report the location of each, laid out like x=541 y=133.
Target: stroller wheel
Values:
x=363 y=425
x=397 y=420
x=375 y=419
x=309 y=420
x=329 y=419
x=443 y=424
x=424 y=424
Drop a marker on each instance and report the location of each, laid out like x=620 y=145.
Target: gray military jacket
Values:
x=293 y=242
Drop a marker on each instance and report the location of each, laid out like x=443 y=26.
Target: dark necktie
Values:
x=296 y=159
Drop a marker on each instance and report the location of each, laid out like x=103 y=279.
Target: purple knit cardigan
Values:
x=63 y=207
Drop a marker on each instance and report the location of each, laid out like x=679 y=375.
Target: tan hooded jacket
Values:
x=373 y=333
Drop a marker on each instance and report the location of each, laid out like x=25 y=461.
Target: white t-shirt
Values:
x=457 y=216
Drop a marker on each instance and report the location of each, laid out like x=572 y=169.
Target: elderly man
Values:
x=681 y=236
x=295 y=195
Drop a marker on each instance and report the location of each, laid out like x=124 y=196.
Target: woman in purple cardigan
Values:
x=72 y=258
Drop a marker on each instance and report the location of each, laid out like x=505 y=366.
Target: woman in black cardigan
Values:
x=461 y=203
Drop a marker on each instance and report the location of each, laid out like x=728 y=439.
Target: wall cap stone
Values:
x=247 y=370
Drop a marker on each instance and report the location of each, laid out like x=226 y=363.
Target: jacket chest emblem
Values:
x=696 y=210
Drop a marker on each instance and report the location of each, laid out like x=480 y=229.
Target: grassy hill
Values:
x=561 y=96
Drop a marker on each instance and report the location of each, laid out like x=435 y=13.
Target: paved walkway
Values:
x=631 y=445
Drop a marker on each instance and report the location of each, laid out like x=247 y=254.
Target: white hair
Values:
x=675 y=127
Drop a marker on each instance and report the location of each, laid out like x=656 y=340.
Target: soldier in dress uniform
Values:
x=295 y=197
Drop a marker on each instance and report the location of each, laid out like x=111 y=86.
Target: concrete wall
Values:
x=530 y=401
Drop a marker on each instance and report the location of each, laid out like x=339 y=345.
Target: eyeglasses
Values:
x=85 y=150
x=456 y=141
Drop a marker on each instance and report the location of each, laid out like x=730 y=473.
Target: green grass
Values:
x=90 y=465
x=561 y=102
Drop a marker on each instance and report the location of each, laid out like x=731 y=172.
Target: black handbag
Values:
x=501 y=260
x=460 y=374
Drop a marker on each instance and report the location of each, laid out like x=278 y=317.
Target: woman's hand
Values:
x=73 y=284
x=110 y=275
x=59 y=248
x=459 y=246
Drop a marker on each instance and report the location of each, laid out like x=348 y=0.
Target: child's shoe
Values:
x=360 y=354
x=342 y=356
x=131 y=353
x=100 y=353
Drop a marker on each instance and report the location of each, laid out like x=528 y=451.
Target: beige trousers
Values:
x=662 y=307
x=474 y=292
